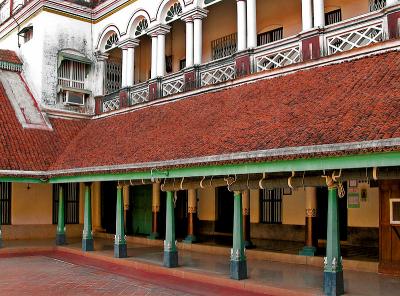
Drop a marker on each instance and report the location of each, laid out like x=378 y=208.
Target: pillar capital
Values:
x=160 y=29
x=196 y=13
x=101 y=56
x=128 y=43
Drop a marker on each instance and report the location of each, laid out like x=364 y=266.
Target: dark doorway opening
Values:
x=224 y=203
x=108 y=205
x=181 y=209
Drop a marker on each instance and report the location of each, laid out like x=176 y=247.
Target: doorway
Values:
x=108 y=205
x=224 y=203
x=139 y=217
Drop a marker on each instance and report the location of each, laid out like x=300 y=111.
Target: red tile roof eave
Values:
x=9 y=56
x=102 y=171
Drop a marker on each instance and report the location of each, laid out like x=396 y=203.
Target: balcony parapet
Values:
x=353 y=33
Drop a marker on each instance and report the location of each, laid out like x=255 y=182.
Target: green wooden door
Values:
x=140 y=203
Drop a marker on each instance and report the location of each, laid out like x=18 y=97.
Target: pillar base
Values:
x=171 y=259
x=190 y=239
x=60 y=239
x=120 y=251
x=87 y=244
x=308 y=251
x=333 y=283
x=154 y=235
x=238 y=270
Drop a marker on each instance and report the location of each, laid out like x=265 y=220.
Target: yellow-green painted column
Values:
x=60 y=236
x=333 y=269
x=170 y=251
x=120 y=249
x=87 y=237
x=238 y=257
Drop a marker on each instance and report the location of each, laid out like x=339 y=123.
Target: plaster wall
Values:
x=206 y=205
x=293 y=208
x=349 y=8
x=368 y=213
x=33 y=205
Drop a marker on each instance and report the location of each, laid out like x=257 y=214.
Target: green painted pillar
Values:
x=333 y=270
x=87 y=237
x=238 y=257
x=60 y=236
x=120 y=250
x=170 y=250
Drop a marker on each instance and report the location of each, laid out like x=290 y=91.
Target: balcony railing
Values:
x=343 y=36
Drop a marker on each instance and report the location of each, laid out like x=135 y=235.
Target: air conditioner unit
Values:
x=74 y=98
x=395 y=211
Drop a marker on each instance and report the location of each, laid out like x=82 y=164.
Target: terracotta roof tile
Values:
x=9 y=56
x=349 y=102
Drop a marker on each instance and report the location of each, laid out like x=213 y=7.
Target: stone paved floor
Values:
x=277 y=274
x=43 y=275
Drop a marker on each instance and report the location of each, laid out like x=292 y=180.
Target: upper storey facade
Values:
x=98 y=56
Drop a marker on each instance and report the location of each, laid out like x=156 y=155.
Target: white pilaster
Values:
x=154 y=56
x=158 y=49
x=124 y=67
x=198 y=40
x=241 y=25
x=189 y=42
x=130 y=70
x=251 y=23
x=319 y=13
x=306 y=12
x=161 y=55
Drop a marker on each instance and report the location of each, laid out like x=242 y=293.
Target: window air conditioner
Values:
x=395 y=211
x=74 y=98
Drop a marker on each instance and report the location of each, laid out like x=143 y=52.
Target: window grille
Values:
x=375 y=5
x=111 y=42
x=224 y=46
x=72 y=74
x=5 y=203
x=271 y=206
x=141 y=27
x=333 y=17
x=71 y=199
x=174 y=11
x=113 y=76
x=270 y=36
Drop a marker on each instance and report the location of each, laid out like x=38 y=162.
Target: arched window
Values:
x=112 y=41
x=141 y=27
x=173 y=12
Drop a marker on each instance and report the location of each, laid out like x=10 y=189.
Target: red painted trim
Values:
x=393 y=25
x=311 y=48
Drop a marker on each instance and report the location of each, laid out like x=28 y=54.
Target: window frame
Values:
x=271 y=209
x=5 y=214
x=71 y=200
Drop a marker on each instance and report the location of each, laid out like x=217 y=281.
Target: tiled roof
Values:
x=349 y=102
x=9 y=56
x=31 y=149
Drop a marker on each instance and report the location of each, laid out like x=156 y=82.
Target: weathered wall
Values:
x=206 y=205
x=31 y=206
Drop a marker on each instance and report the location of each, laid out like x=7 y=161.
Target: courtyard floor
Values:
x=73 y=272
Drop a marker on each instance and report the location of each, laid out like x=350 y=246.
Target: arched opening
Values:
x=113 y=71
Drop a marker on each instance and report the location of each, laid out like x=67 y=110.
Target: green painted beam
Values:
x=387 y=159
x=21 y=180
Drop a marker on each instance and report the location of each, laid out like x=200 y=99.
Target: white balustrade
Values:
x=173 y=85
x=276 y=59
x=139 y=94
x=218 y=73
x=354 y=38
x=111 y=104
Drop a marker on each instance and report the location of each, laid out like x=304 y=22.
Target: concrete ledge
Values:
x=38 y=231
